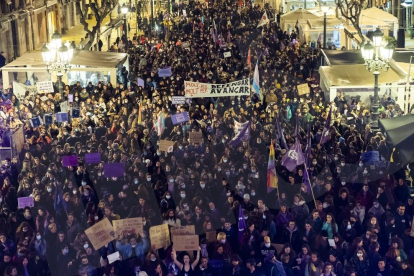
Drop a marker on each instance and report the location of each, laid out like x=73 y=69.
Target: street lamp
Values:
x=324 y=9
x=57 y=57
x=125 y=10
x=376 y=57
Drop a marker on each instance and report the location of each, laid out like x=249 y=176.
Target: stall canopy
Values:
x=334 y=57
x=299 y=14
x=378 y=14
x=354 y=75
x=400 y=135
x=82 y=58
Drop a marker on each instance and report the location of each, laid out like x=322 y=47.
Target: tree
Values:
x=100 y=9
x=351 y=10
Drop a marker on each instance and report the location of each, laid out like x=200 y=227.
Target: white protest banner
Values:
x=45 y=87
x=227 y=54
x=208 y=90
x=178 y=100
x=19 y=90
x=113 y=257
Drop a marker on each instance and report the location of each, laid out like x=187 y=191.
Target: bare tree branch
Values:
x=351 y=10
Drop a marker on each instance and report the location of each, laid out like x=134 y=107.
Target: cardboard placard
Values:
x=186 y=243
x=100 y=234
x=183 y=230
x=70 y=160
x=92 y=158
x=45 y=87
x=179 y=118
x=278 y=247
x=196 y=137
x=128 y=226
x=25 y=202
x=160 y=236
x=303 y=89
x=211 y=236
x=166 y=145
x=114 y=169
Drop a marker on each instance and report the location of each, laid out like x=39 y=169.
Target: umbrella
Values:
x=400 y=135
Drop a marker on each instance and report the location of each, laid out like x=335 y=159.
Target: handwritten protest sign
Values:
x=160 y=236
x=25 y=202
x=70 y=160
x=211 y=236
x=179 y=118
x=183 y=230
x=92 y=158
x=196 y=137
x=208 y=90
x=128 y=226
x=227 y=54
x=166 y=145
x=303 y=89
x=114 y=169
x=185 y=243
x=100 y=234
x=64 y=106
x=45 y=87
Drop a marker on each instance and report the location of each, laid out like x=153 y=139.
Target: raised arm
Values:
x=195 y=263
x=180 y=265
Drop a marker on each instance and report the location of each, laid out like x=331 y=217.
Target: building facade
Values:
x=25 y=25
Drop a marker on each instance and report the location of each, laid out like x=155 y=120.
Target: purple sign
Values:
x=25 y=202
x=165 y=72
x=179 y=118
x=141 y=82
x=92 y=158
x=70 y=98
x=70 y=160
x=114 y=169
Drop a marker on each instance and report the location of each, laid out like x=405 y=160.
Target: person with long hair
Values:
x=186 y=269
x=330 y=225
x=171 y=219
x=315 y=266
x=359 y=263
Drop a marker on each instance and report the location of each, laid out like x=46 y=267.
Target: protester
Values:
x=327 y=211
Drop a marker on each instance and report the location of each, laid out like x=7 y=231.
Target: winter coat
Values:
x=300 y=211
x=126 y=249
x=361 y=267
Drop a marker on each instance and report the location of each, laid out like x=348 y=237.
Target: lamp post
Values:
x=376 y=57
x=324 y=9
x=57 y=57
x=124 y=11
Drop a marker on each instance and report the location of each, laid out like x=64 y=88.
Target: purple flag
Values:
x=70 y=160
x=59 y=201
x=92 y=158
x=241 y=225
x=326 y=133
x=280 y=134
x=294 y=157
x=308 y=151
x=114 y=169
x=164 y=72
x=241 y=136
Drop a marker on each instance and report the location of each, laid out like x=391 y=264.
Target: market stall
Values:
x=86 y=66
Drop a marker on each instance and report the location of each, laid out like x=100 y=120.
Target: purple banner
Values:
x=179 y=118
x=114 y=169
x=92 y=158
x=165 y=72
x=70 y=160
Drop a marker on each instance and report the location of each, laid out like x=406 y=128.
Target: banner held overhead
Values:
x=208 y=90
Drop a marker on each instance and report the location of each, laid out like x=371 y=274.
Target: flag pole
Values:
x=310 y=185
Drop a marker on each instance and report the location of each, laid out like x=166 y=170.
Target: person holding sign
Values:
x=186 y=269
x=136 y=247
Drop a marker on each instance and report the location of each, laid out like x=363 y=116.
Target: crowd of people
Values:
x=354 y=219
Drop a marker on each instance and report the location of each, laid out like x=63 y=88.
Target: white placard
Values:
x=45 y=87
x=227 y=54
x=64 y=106
x=113 y=257
x=331 y=242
